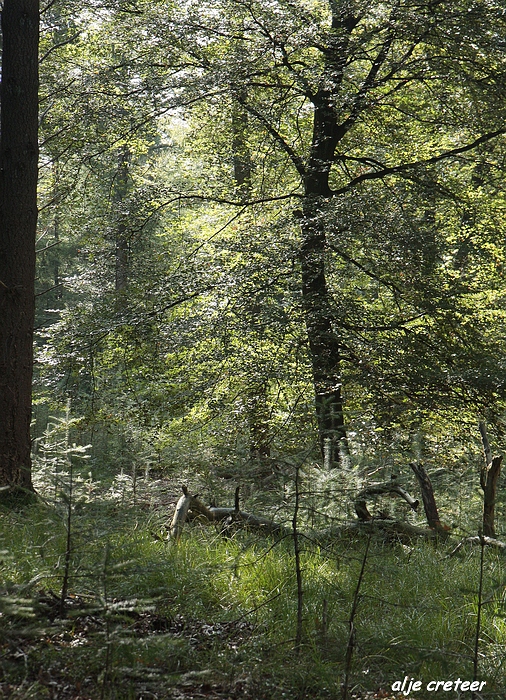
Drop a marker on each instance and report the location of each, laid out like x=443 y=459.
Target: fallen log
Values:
x=477 y=540
x=192 y=505
x=360 y=502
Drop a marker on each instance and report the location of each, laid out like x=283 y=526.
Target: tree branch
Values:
x=406 y=167
x=296 y=159
x=364 y=269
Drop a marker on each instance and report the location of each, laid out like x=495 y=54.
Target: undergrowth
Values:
x=145 y=616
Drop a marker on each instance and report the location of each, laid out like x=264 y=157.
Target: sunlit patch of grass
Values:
x=416 y=611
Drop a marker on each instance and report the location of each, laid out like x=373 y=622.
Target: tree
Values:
x=18 y=221
x=325 y=185
x=363 y=101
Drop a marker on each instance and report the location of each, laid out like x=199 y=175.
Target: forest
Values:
x=252 y=349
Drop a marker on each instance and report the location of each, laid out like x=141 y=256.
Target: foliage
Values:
x=234 y=197
x=222 y=612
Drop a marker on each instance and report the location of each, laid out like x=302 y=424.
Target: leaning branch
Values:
x=429 y=501
x=296 y=159
x=379 y=490
x=406 y=167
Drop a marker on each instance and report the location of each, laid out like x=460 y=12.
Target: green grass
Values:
x=225 y=610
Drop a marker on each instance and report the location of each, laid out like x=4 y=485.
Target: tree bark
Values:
x=429 y=501
x=488 y=478
x=18 y=222
x=324 y=341
x=489 y=475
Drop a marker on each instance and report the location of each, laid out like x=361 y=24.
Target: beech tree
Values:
x=360 y=103
x=18 y=220
x=340 y=176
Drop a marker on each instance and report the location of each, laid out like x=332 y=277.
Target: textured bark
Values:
x=324 y=344
x=485 y=441
x=323 y=337
x=18 y=221
x=489 y=477
x=429 y=501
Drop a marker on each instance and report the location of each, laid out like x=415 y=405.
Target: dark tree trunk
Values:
x=324 y=344
x=488 y=478
x=324 y=341
x=428 y=498
x=121 y=242
x=240 y=150
x=18 y=221
x=259 y=428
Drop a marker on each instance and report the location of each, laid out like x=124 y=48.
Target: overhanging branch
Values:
x=406 y=167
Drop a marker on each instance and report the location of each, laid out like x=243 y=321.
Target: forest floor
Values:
x=210 y=619
x=57 y=681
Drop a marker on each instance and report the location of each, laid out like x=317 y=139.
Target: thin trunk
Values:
x=259 y=428
x=257 y=391
x=18 y=222
x=298 y=567
x=240 y=150
x=350 y=647
x=478 y=617
x=56 y=264
x=121 y=242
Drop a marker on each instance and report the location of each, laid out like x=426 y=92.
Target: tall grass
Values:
x=230 y=606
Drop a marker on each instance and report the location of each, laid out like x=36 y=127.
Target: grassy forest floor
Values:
x=215 y=617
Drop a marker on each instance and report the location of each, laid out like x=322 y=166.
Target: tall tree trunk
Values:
x=18 y=221
x=324 y=344
x=257 y=390
x=121 y=241
x=324 y=341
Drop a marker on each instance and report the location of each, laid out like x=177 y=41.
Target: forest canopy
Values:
x=266 y=226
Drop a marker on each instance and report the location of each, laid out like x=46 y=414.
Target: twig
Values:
x=478 y=619
x=351 y=624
